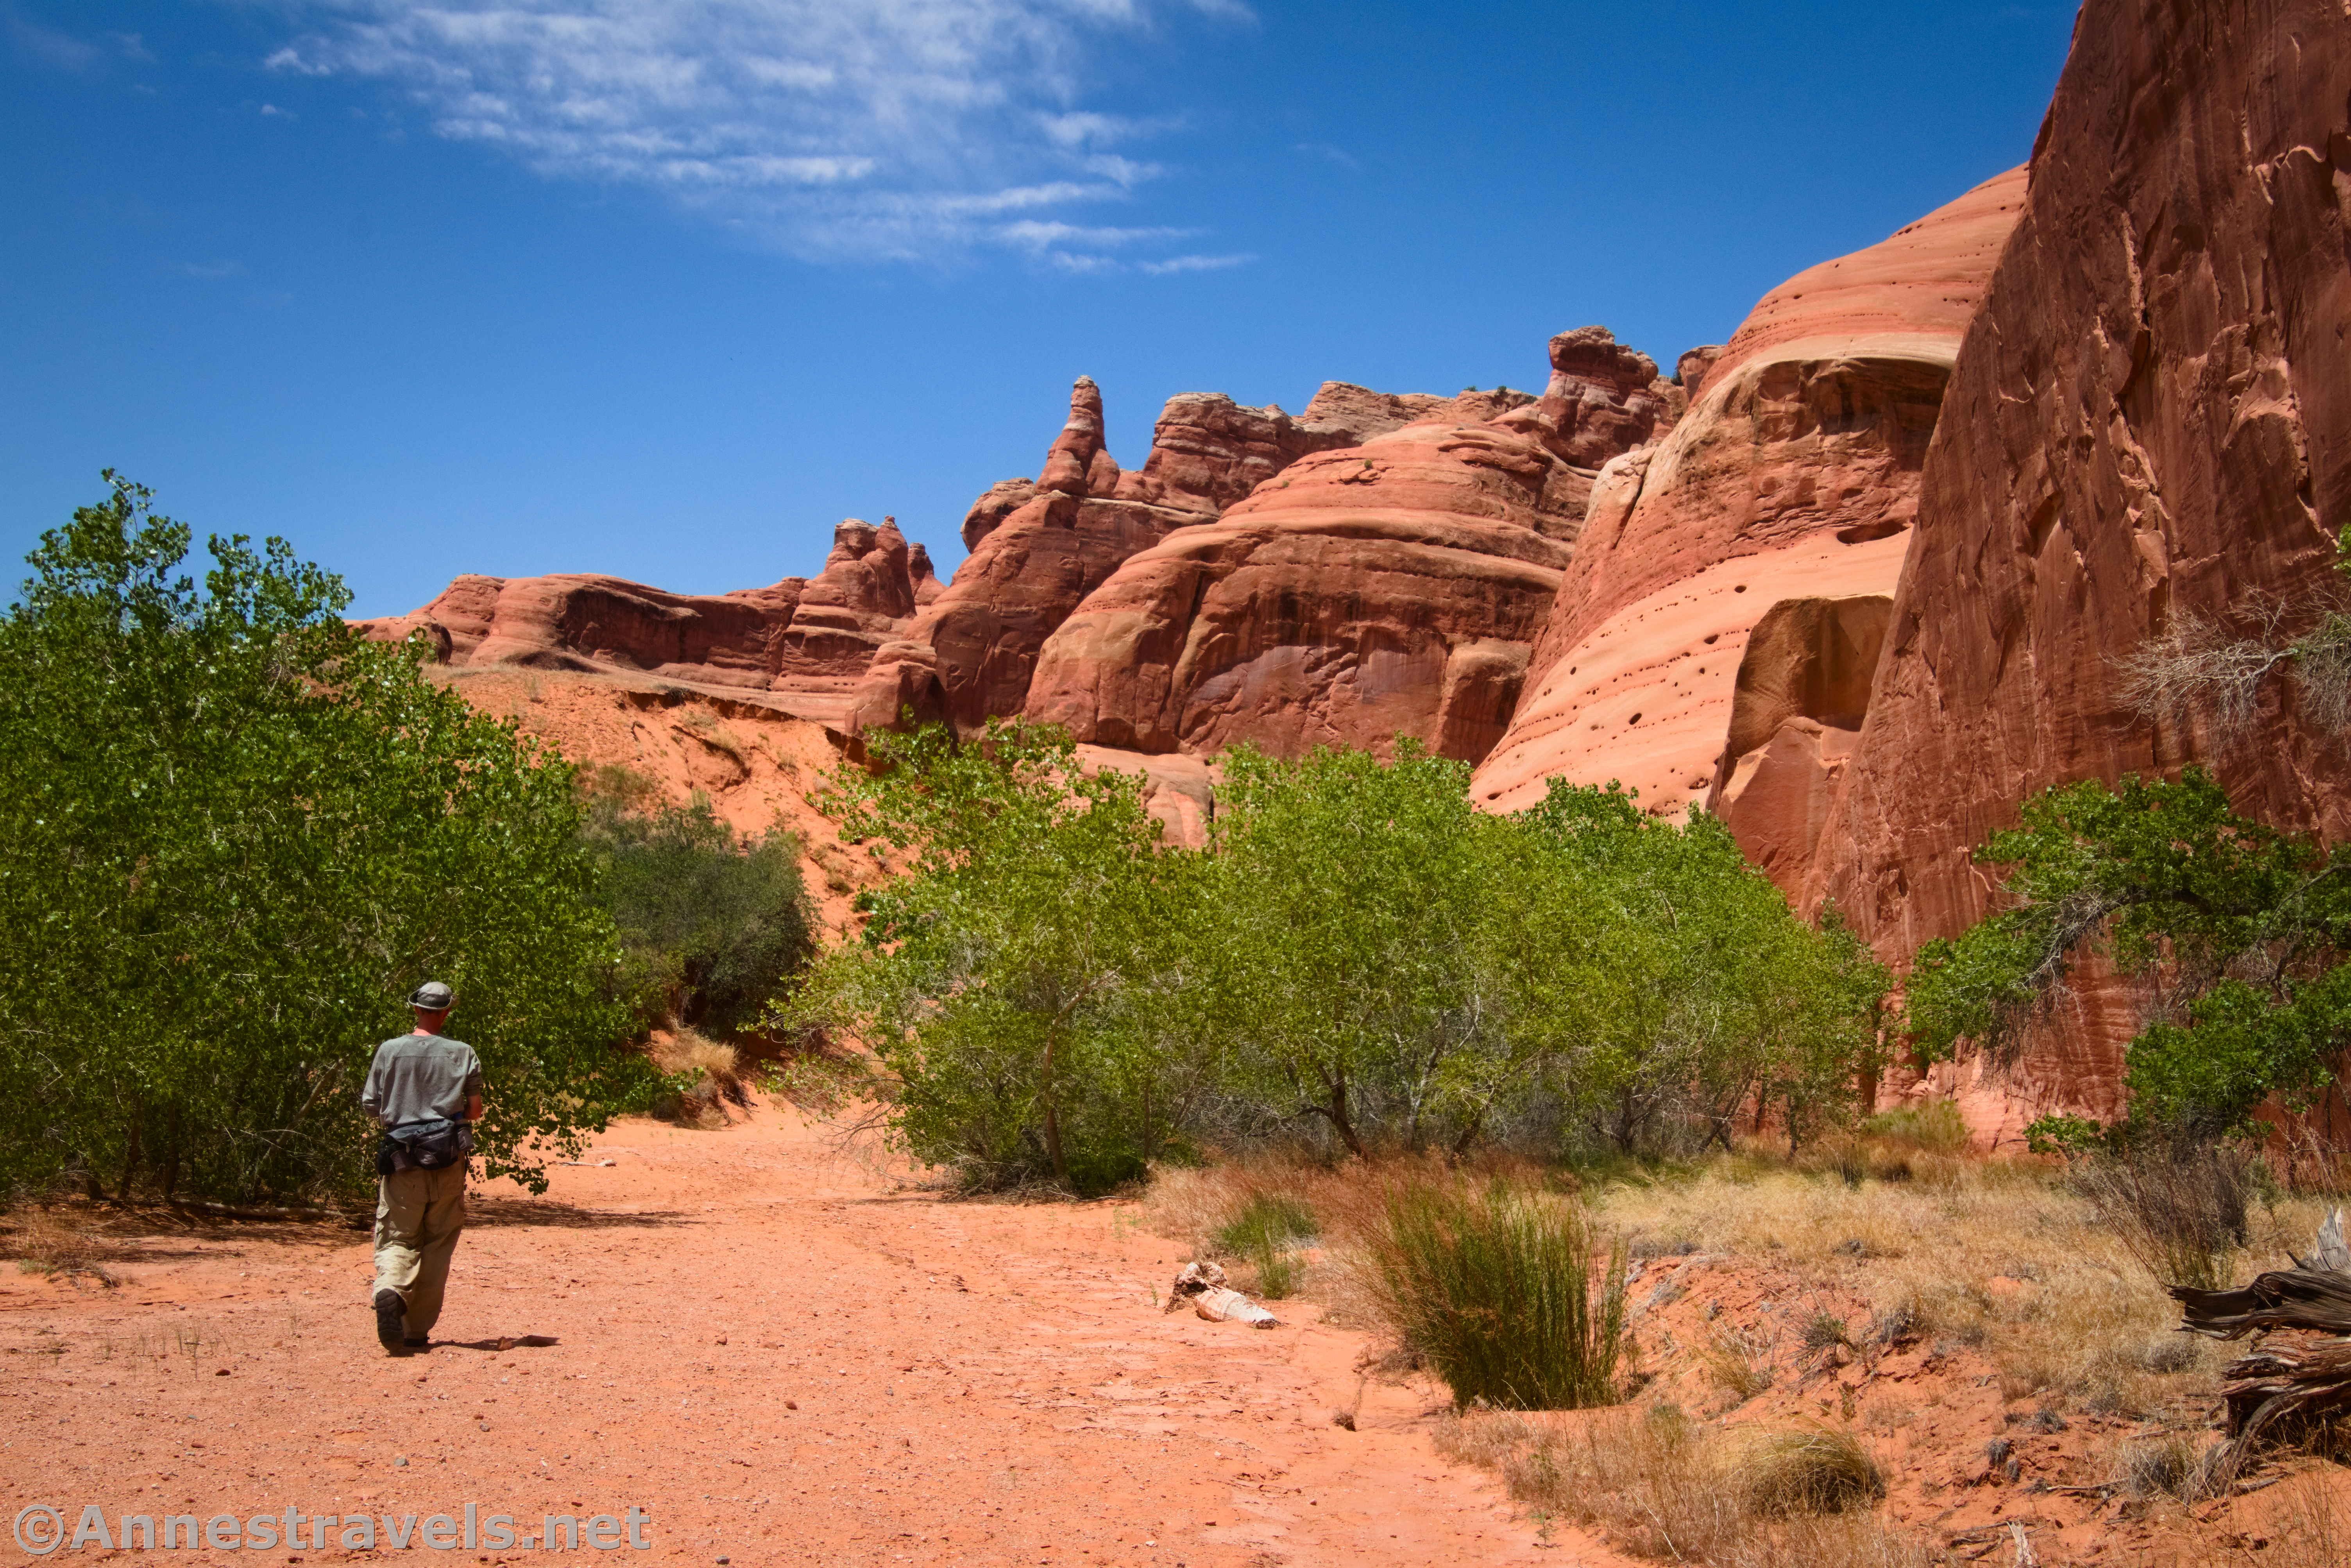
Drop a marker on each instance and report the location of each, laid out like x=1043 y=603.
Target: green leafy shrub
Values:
x=1359 y=959
x=1495 y=1287
x=233 y=836
x=1023 y=985
x=712 y=928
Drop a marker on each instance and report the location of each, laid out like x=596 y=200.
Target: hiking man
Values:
x=426 y=1090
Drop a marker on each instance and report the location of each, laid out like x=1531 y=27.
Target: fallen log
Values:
x=2297 y=1380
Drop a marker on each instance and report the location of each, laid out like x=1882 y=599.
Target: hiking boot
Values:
x=389 y=1309
x=417 y=1343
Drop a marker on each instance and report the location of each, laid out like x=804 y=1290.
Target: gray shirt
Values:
x=421 y=1078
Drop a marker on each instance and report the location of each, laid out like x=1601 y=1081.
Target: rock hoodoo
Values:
x=2148 y=419
x=1794 y=477
x=1040 y=547
x=1390 y=587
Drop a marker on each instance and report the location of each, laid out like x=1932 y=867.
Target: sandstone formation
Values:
x=1795 y=476
x=1040 y=547
x=2148 y=419
x=809 y=637
x=1388 y=587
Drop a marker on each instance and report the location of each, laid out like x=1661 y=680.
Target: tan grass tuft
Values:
x=713 y=1070
x=1806 y=1470
x=1665 y=1488
x=46 y=1244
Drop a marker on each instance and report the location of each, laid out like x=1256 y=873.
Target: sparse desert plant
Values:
x=1740 y=1368
x=1493 y=1285
x=1266 y=1233
x=1665 y=1488
x=47 y=1245
x=2179 y=1203
x=1803 y=1470
x=707 y=1076
x=1822 y=1330
x=2169 y=1464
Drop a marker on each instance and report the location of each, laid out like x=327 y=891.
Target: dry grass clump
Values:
x=2169 y=1464
x=714 y=1081
x=1736 y=1364
x=1805 y=1470
x=2309 y=1525
x=1996 y=1254
x=1663 y=1487
x=42 y=1243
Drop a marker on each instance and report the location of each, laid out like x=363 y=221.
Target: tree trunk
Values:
x=1052 y=1113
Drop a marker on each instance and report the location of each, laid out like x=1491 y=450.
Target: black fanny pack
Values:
x=429 y=1145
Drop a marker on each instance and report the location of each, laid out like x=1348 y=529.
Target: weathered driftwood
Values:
x=2294 y=1380
x=1201 y=1286
x=2316 y=1300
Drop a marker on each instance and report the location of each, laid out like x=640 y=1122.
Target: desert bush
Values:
x=1932 y=1124
x=1493 y=1287
x=706 y=1077
x=1736 y=1364
x=1024 y=986
x=2169 y=1464
x=2181 y=1204
x=712 y=926
x=233 y=836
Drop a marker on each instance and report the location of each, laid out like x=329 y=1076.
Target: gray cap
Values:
x=432 y=996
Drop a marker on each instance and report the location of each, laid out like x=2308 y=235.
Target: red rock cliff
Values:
x=1385 y=589
x=1040 y=547
x=809 y=637
x=2150 y=416
x=1794 y=477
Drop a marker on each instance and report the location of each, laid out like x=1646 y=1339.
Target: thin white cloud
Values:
x=271 y=112
x=835 y=130
x=1176 y=264
x=210 y=271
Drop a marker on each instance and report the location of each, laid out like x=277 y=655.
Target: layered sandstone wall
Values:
x=810 y=637
x=1041 y=547
x=1795 y=475
x=2150 y=417
x=1390 y=588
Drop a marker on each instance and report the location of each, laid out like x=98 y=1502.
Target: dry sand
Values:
x=783 y=1356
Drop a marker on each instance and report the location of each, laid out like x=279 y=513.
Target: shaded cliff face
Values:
x=2150 y=416
x=1041 y=547
x=1389 y=588
x=1795 y=475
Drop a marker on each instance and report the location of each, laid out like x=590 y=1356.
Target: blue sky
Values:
x=666 y=288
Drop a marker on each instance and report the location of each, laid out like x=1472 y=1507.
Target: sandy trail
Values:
x=778 y=1355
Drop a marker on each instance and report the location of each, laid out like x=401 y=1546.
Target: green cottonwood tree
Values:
x=233 y=834
x=2240 y=931
x=1023 y=983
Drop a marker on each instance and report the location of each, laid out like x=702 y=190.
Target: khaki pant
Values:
x=418 y=1215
